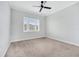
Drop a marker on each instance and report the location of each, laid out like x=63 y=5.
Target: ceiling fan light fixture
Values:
x=43 y=6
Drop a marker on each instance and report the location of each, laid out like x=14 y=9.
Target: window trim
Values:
x=28 y=25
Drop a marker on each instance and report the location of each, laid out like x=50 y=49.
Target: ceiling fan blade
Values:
x=47 y=7
x=40 y=9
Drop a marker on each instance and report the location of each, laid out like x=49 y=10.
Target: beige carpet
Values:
x=43 y=47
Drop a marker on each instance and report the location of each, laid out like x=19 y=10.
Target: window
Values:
x=30 y=24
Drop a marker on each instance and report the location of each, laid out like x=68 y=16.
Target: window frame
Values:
x=28 y=30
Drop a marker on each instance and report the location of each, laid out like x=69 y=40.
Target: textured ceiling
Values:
x=29 y=6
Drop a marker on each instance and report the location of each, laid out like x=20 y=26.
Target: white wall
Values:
x=4 y=26
x=17 y=26
x=64 y=25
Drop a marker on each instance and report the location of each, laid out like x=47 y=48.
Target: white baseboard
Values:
x=49 y=36
x=25 y=39
x=58 y=39
x=4 y=50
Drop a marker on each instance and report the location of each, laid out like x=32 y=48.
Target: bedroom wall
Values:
x=17 y=26
x=64 y=25
x=4 y=27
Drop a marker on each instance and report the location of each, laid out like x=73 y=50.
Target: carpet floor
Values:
x=42 y=47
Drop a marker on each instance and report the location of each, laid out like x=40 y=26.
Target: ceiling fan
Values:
x=43 y=6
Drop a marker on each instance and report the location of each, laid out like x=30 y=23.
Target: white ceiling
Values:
x=29 y=6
